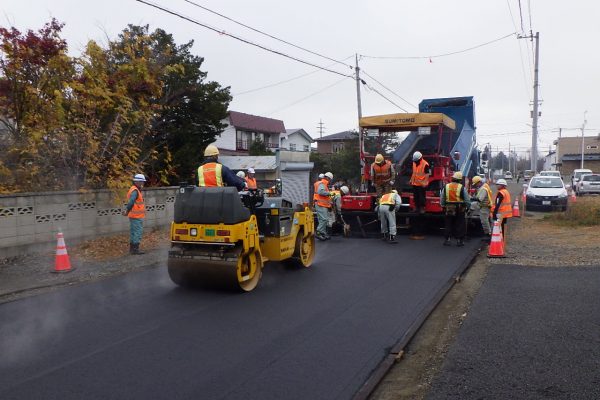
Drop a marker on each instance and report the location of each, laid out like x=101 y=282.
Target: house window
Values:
x=293 y=146
x=337 y=147
x=592 y=147
x=306 y=147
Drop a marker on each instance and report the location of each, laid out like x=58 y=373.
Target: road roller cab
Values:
x=220 y=237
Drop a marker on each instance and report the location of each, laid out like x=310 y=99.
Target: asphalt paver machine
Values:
x=222 y=238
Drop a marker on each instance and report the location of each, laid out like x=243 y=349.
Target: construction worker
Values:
x=456 y=201
x=213 y=174
x=250 y=180
x=382 y=175
x=502 y=205
x=322 y=202
x=136 y=211
x=419 y=182
x=388 y=204
x=483 y=198
x=336 y=202
x=241 y=174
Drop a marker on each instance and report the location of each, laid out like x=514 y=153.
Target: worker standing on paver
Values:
x=502 y=205
x=382 y=175
x=136 y=211
x=388 y=204
x=322 y=201
x=456 y=201
x=250 y=179
x=419 y=182
x=483 y=198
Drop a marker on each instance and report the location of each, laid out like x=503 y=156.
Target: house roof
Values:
x=256 y=123
x=301 y=132
x=346 y=135
x=259 y=163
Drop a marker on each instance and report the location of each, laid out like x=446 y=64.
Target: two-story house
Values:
x=296 y=140
x=242 y=129
x=336 y=142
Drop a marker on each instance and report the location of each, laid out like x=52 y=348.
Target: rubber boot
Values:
x=131 y=248
x=447 y=242
x=393 y=239
x=320 y=236
x=384 y=237
x=460 y=242
x=136 y=249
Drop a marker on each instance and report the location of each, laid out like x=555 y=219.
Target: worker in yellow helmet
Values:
x=382 y=175
x=388 y=205
x=483 y=198
x=456 y=201
x=214 y=174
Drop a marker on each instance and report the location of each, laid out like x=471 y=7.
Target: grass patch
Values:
x=585 y=212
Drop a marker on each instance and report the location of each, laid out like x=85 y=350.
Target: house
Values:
x=336 y=142
x=243 y=129
x=568 y=151
x=296 y=140
x=550 y=161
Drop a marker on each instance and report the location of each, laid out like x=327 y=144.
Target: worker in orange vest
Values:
x=502 y=204
x=213 y=174
x=250 y=179
x=322 y=202
x=382 y=175
x=419 y=182
x=456 y=201
x=136 y=211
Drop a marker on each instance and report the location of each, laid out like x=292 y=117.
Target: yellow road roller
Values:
x=222 y=238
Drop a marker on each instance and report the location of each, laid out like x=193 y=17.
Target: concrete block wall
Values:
x=29 y=221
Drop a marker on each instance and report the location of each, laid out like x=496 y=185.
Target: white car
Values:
x=546 y=193
x=577 y=173
x=550 y=173
x=508 y=175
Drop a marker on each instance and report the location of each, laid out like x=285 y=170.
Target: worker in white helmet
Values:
x=322 y=201
x=214 y=174
x=456 y=201
x=336 y=201
x=250 y=179
x=419 y=181
x=136 y=211
x=382 y=175
x=502 y=209
x=241 y=174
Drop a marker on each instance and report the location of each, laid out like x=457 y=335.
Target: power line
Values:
x=390 y=90
x=222 y=32
x=440 y=55
x=381 y=94
x=268 y=35
x=282 y=82
x=521 y=15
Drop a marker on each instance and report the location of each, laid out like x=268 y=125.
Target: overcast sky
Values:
x=499 y=75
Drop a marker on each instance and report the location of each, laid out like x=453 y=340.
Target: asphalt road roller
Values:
x=222 y=238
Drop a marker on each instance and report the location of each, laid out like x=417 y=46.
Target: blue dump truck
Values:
x=443 y=131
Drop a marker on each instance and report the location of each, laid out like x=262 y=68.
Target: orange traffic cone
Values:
x=62 y=263
x=497 y=244
x=516 y=210
x=573 y=197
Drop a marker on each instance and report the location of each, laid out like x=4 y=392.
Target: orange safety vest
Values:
x=505 y=208
x=454 y=193
x=322 y=201
x=388 y=199
x=251 y=182
x=139 y=209
x=382 y=173
x=209 y=175
x=419 y=177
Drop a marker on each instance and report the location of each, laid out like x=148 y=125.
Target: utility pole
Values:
x=535 y=114
x=358 y=88
x=583 y=138
x=320 y=128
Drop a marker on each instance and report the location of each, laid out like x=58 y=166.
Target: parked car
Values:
x=588 y=184
x=550 y=173
x=577 y=173
x=527 y=175
x=546 y=193
x=508 y=175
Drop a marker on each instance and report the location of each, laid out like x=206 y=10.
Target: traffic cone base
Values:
x=497 y=243
x=62 y=262
x=516 y=210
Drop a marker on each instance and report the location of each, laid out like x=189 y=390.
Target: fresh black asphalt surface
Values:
x=313 y=333
x=531 y=333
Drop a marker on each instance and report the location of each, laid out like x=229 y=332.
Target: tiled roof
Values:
x=300 y=131
x=346 y=135
x=255 y=123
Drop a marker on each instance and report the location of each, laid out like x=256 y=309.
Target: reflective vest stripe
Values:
x=505 y=208
x=209 y=175
x=488 y=202
x=454 y=193
x=139 y=209
x=322 y=201
x=419 y=177
x=387 y=198
x=251 y=182
x=382 y=173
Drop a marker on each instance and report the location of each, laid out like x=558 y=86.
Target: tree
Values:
x=259 y=148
